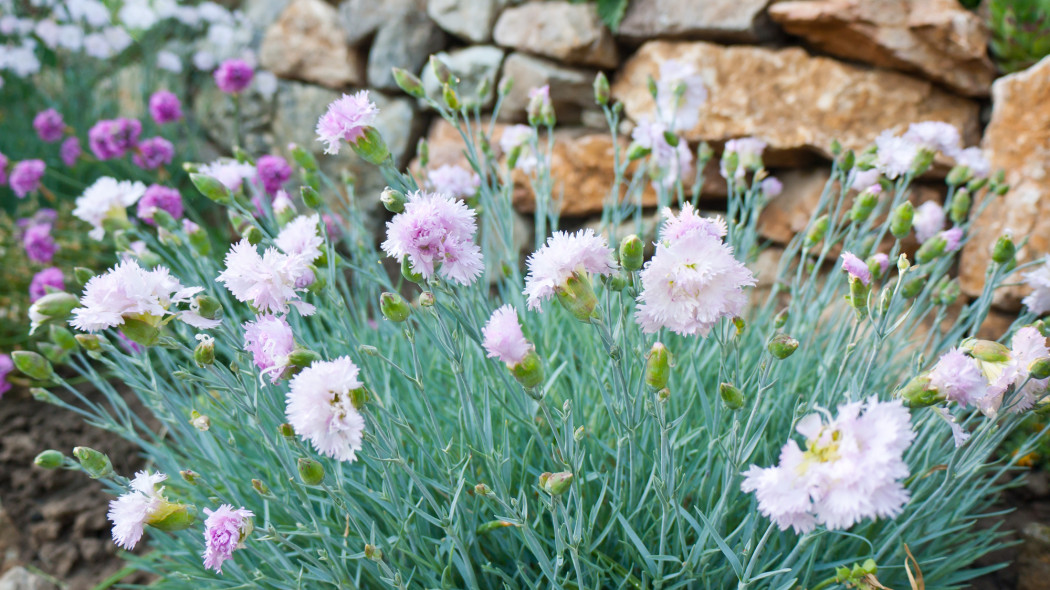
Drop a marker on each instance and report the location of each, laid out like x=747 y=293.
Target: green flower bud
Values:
x=781 y=318
x=303 y=158
x=371 y=147
x=579 y=433
x=617 y=282
x=1004 y=250
x=637 y=152
x=141 y=332
x=286 y=430
x=62 y=337
x=409 y=273
x=242 y=156
x=260 y=488
x=848 y=160
x=302 y=358
x=960 y=206
x=912 y=287
x=577 y=297
x=863 y=206
x=631 y=252
x=902 y=263
x=816 y=232
x=172 y=516
x=732 y=397
x=987 y=350
x=704 y=153
x=731 y=162
x=658 y=367
x=529 y=372
x=33 y=365
x=949 y=292
x=601 y=89
x=901 y=220
x=922 y=162
x=836 y=147
x=394 y=307
x=190 y=476
x=671 y=139
x=393 y=200
x=858 y=296
x=90 y=342
x=557 y=484
x=211 y=188
x=82 y=275
x=408 y=82
x=374 y=553
x=52 y=352
x=310 y=472
x=441 y=71
x=427 y=299
x=207 y=307
x=253 y=234
x=931 y=249
x=1040 y=368
x=49 y=459
x=423 y=151
x=94 y=463
x=448 y=94
x=310 y=196
x=782 y=346
x=42 y=395
x=917 y=393
x=55 y=306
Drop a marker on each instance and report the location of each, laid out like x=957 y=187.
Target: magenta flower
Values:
x=70 y=150
x=153 y=153
x=436 y=232
x=159 y=198
x=270 y=340
x=233 y=76
x=502 y=337
x=321 y=410
x=856 y=268
x=39 y=243
x=49 y=277
x=563 y=256
x=346 y=120
x=112 y=138
x=49 y=125
x=273 y=172
x=224 y=531
x=25 y=177
x=165 y=107
x=6 y=367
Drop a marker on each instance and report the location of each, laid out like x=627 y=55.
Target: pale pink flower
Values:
x=346 y=120
x=851 y=469
x=894 y=156
x=454 y=180
x=861 y=180
x=320 y=408
x=129 y=512
x=680 y=92
x=224 y=531
x=856 y=268
x=928 y=221
x=974 y=159
x=671 y=163
x=935 y=136
x=1038 y=301
x=230 y=173
x=883 y=261
x=267 y=282
x=299 y=237
x=772 y=187
x=749 y=155
x=952 y=238
x=128 y=290
x=436 y=233
x=959 y=378
x=563 y=256
x=270 y=340
x=692 y=280
x=518 y=137
x=502 y=337
x=1027 y=346
x=107 y=198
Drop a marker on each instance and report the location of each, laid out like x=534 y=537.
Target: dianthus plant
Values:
x=635 y=406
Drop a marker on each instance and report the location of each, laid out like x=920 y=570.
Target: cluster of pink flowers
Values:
x=851 y=469
x=502 y=337
x=692 y=280
x=321 y=410
x=896 y=155
x=114 y=138
x=435 y=233
x=346 y=120
x=563 y=257
x=454 y=180
x=672 y=163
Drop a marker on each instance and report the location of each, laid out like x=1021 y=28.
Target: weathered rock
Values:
x=936 y=38
x=571 y=89
x=471 y=65
x=362 y=18
x=217 y=114
x=1016 y=140
x=307 y=43
x=1034 y=564
x=19 y=578
x=570 y=33
x=717 y=20
x=404 y=42
x=470 y=20
x=262 y=13
x=792 y=100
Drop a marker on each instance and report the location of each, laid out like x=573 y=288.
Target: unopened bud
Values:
x=427 y=299
x=33 y=365
x=253 y=234
x=529 y=371
x=901 y=220
x=482 y=489
x=56 y=306
x=917 y=393
x=371 y=147
x=913 y=286
x=579 y=433
x=1004 y=250
x=658 y=367
x=62 y=337
x=960 y=206
x=863 y=205
x=617 y=282
x=286 y=430
x=557 y=484
x=781 y=318
x=601 y=89
x=42 y=395
x=448 y=94
x=310 y=471
x=394 y=307
x=408 y=82
x=931 y=249
x=189 y=476
x=82 y=275
x=200 y=421
x=303 y=157
x=441 y=71
x=90 y=342
x=171 y=516
x=374 y=553
x=577 y=296
x=302 y=357
x=987 y=350
x=782 y=346
x=949 y=292
x=1040 y=368
x=732 y=397
x=637 y=152
x=204 y=353
x=311 y=198
x=858 y=296
x=959 y=175
x=260 y=488
x=94 y=463
x=631 y=251
x=393 y=200
x=49 y=459
x=211 y=188
x=816 y=233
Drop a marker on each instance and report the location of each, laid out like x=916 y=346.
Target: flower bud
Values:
x=253 y=234
x=448 y=94
x=49 y=459
x=987 y=350
x=394 y=307
x=33 y=365
x=409 y=273
x=577 y=297
x=922 y=162
x=482 y=490
x=816 y=231
x=617 y=282
x=423 y=151
x=408 y=82
x=901 y=220
x=141 y=332
x=637 y=152
x=302 y=157
x=658 y=367
x=311 y=198
x=207 y=307
x=732 y=397
x=1040 y=368
x=260 y=488
x=912 y=287
x=371 y=147
x=782 y=346
x=579 y=433
x=190 y=476
x=62 y=337
x=781 y=318
x=172 y=516
x=211 y=188
x=1004 y=249
x=959 y=175
x=601 y=89
x=310 y=472
x=556 y=484
x=286 y=430
x=427 y=299
x=863 y=205
x=302 y=358
x=393 y=200
x=848 y=160
x=200 y=421
x=441 y=71
x=82 y=275
x=858 y=296
x=52 y=352
x=42 y=395
x=948 y=292
x=529 y=371
x=631 y=251
x=931 y=249
x=960 y=206
x=55 y=306
x=374 y=553
x=94 y=463
x=90 y=342
x=917 y=393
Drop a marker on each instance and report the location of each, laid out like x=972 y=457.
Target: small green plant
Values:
x=1020 y=32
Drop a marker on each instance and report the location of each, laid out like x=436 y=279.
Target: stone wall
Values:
x=796 y=73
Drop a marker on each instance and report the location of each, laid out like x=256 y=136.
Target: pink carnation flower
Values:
x=49 y=277
x=928 y=221
x=233 y=76
x=671 y=163
x=973 y=158
x=1038 y=301
x=25 y=177
x=692 y=280
x=502 y=337
x=851 y=469
x=230 y=173
x=959 y=378
x=267 y=282
x=49 y=125
x=224 y=531
x=39 y=243
x=952 y=238
x=436 y=233
x=454 y=180
x=894 y=156
x=772 y=187
x=682 y=109
x=273 y=172
x=270 y=340
x=6 y=367
x=861 y=180
x=321 y=410
x=935 y=136
x=159 y=198
x=70 y=151
x=563 y=256
x=882 y=260
x=299 y=237
x=107 y=198
x=346 y=120
x=1026 y=347
x=164 y=107
x=128 y=290
x=856 y=268
x=129 y=512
